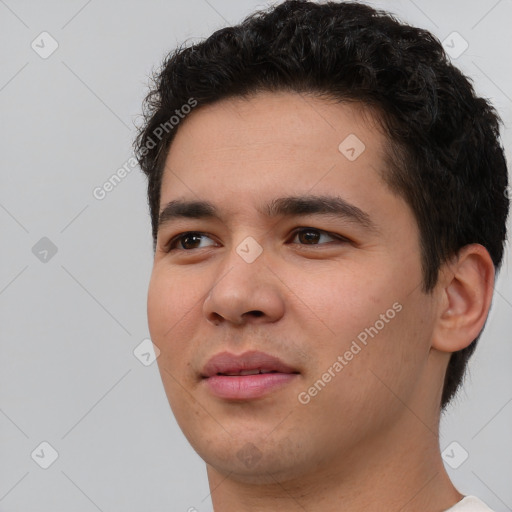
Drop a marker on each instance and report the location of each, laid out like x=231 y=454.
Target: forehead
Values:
x=277 y=117
x=271 y=143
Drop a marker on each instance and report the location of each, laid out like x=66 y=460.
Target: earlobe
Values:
x=466 y=286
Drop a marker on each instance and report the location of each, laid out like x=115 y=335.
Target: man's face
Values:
x=345 y=288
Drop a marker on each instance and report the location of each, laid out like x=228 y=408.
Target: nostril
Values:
x=256 y=313
x=216 y=318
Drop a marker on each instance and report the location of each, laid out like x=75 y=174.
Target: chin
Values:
x=256 y=461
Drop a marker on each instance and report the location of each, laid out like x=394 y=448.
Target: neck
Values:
x=399 y=470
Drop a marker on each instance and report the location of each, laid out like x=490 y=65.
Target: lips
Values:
x=248 y=363
x=246 y=376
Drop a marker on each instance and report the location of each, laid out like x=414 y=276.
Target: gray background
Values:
x=70 y=323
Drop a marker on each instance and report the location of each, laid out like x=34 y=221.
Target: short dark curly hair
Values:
x=445 y=156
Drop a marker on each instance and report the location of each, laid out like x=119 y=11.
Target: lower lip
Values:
x=245 y=387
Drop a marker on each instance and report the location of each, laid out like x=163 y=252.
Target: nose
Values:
x=244 y=293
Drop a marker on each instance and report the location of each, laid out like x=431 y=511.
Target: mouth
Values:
x=246 y=376
x=255 y=371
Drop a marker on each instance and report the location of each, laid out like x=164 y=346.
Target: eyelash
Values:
x=170 y=245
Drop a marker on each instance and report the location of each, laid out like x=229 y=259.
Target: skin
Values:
x=369 y=439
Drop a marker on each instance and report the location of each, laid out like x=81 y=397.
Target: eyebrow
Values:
x=290 y=206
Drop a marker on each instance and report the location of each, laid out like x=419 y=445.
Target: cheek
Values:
x=170 y=298
x=169 y=303
x=339 y=303
x=174 y=309
x=370 y=319
x=159 y=305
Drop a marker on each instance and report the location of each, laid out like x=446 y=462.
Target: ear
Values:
x=465 y=289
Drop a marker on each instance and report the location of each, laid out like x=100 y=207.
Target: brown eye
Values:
x=312 y=236
x=309 y=236
x=187 y=241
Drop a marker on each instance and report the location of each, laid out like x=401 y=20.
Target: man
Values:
x=328 y=202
